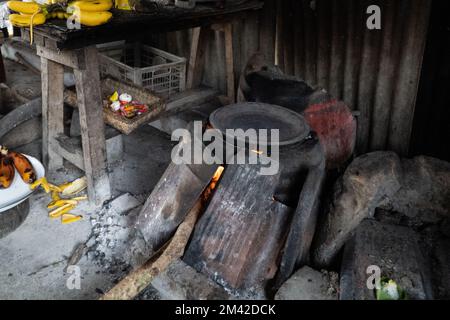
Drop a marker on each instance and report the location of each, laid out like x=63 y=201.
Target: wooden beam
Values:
x=229 y=62
x=92 y=127
x=52 y=76
x=69 y=148
x=197 y=58
x=73 y=59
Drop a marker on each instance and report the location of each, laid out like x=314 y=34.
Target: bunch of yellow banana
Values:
x=87 y=12
x=91 y=12
x=30 y=13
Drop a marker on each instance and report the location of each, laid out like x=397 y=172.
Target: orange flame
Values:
x=213 y=184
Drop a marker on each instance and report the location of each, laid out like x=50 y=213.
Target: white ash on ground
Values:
x=112 y=231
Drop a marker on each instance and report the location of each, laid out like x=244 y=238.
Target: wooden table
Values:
x=60 y=47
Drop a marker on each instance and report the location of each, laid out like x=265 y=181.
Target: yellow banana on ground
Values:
x=61 y=210
x=42 y=182
x=74 y=187
x=23 y=7
x=60 y=203
x=22 y=20
x=91 y=5
x=55 y=196
x=69 y=218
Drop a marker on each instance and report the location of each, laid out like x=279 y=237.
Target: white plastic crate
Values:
x=145 y=66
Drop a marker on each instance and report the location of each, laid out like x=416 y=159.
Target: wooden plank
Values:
x=229 y=62
x=52 y=75
x=73 y=59
x=196 y=58
x=92 y=127
x=303 y=225
x=68 y=148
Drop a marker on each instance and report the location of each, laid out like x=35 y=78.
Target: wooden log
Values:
x=167 y=207
x=92 y=126
x=52 y=75
x=137 y=281
x=303 y=225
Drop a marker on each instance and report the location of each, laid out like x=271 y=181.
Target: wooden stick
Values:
x=138 y=280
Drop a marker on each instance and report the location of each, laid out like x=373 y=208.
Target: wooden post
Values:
x=52 y=76
x=228 y=29
x=196 y=59
x=92 y=126
x=199 y=46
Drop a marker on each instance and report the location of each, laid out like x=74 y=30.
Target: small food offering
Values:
x=11 y=161
x=124 y=105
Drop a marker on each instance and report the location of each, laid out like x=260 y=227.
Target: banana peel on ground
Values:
x=74 y=187
x=70 y=218
x=62 y=206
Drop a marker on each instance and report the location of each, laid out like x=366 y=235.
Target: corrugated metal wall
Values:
x=374 y=71
x=327 y=43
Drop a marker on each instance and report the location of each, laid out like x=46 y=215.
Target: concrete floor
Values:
x=34 y=256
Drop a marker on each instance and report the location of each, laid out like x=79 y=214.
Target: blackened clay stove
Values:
x=258 y=228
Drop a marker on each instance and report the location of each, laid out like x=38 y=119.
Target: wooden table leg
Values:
x=92 y=126
x=52 y=76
